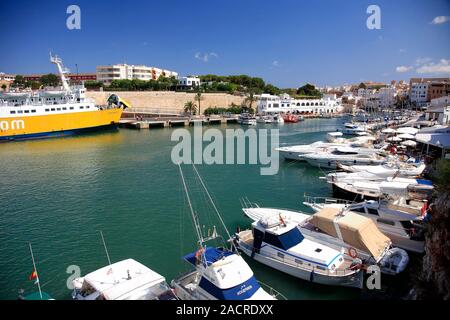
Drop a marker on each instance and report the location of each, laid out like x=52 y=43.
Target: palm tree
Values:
x=190 y=107
x=198 y=98
x=250 y=99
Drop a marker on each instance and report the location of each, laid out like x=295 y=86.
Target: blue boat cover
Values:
x=211 y=255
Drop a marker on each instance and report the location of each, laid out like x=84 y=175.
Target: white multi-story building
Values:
x=106 y=74
x=419 y=93
x=269 y=104
x=7 y=77
x=386 y=97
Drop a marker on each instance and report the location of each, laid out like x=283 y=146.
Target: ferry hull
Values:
x=46 y=126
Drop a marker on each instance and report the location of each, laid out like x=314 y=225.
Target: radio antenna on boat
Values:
x=197 y=227
x=214 y=206
x=35 y=270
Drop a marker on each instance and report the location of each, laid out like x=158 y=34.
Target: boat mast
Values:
x=56 y=60
x=35 y=270
x=198 y=230
x=107 y=255
x=214 y=206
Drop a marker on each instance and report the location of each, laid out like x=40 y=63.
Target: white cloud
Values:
x=206 y=56
x=401 y=69
x=275 y=63
x=402 y=50
x=421 y=61
x=440 y=20
x=441 y=67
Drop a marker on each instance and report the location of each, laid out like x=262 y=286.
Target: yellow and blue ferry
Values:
x=50 y=113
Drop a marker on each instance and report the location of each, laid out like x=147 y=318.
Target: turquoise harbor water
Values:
x=59 y=193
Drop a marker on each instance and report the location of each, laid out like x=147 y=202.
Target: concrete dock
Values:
x=163 y=122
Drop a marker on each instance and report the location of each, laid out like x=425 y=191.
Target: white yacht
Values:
x=280 y=244
x=354 y=130
x=123 y=280
x=359 y=186
x=389 y=169
x=358 y=235
x=331 y=159
x=398 y=220
x=219 y=273
x=333 y=141
x=246 y=119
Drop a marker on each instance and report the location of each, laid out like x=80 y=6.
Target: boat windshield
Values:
x=286 y=240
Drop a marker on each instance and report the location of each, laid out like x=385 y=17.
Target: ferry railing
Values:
x=273 y=292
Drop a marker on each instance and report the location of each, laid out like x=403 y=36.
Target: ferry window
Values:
x=53 y=109
x=372 y=211
x=321 y=268
x=64 y=108
x=33 y=111
x=280 y=255
x=298 y=261
x=58 y=109
x=87 y=107
x=20 y=111
x=81 y=107
x=47 y=110
x=71 y=108
x=12 y=112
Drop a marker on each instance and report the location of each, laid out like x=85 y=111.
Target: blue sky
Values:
x=286 y=42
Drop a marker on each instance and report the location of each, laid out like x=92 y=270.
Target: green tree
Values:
x=249 y=100
x=190 y=107
x=19 y=81
x=50 y=80
x=309 y=90
x=4 y=87
x=271 y=89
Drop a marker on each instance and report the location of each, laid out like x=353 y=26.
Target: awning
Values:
x=437 y=139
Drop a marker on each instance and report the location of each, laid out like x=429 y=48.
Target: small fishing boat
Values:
x=398 y=220
x=358 y=235
x=279 y=244
x=219 y=273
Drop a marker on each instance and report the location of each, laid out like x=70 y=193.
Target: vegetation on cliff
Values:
x=433 y=281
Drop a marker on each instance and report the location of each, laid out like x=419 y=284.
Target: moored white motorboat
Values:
x=123 y=280
x=333 y=141
x=399 y=221
x=246 y=119
x=358 y=186
x=280 y=244
x=388 y=169
x=331 y=159
x=354 y=130
x=357 y=234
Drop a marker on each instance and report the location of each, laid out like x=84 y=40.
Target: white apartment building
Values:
x=106 y=74
x=189 y=81
x=386 y=97
x=7 y=77
x=270 y=104
x=418 y=93
x=440 y=102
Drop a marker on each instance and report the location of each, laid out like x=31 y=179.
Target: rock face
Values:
x=433 y=281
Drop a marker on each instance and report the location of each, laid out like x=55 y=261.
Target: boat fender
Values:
x=356 y=264
x=352 y=252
